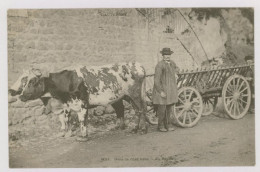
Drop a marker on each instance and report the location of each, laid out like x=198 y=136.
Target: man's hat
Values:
x=166 y=51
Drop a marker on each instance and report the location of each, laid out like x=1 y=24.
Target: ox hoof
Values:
x=82 y=139
x=68 y=134
x=144 y=131
x=61 y=134
x=123 y=127
x=134 y=131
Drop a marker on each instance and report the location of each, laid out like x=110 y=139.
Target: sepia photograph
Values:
x=131 y=87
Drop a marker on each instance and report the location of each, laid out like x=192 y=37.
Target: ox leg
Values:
x=119 y=109
x=139 y=107
x=63 y=124
x=62 y=120
x=68 y=125
x=83 y=122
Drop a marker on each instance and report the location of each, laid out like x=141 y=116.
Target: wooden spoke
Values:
x=179 y=107
x=196 y=110
x=229 y=102
x=234 y=84
x=180 y=114
x=181 y=100
x=243 y=90
x=189 y=118
x=209 y=101
x=235 y=107
x=242 y=101
x=230 y=97
x=190 y=95
x=195 y=113
x=240 y=105
x=237 y=85
x=185 y=95
x=231 y=106
x=196 y=106
x=241 y=85
x=230 y=90
x=184 y=118
x=238 y=110
x=244 y=95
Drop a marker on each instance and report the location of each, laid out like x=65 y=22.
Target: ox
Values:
x=84 y=87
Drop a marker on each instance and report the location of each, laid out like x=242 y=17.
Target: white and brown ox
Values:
x=84 y=87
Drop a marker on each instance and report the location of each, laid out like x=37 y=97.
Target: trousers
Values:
x=164 y=115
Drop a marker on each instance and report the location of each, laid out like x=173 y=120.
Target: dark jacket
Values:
x=164 y=80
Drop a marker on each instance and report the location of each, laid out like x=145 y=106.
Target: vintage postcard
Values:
x=131 y=87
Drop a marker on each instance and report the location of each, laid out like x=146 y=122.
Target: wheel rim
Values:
x=236 y=96
x=209 y=105
x=188 y=109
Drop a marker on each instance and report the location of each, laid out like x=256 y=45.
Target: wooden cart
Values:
x=199 y=90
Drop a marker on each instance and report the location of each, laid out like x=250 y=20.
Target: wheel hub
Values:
x=187 y=106
x=236 y=95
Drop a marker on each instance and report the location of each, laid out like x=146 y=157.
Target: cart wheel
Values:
x=236 y=96
x=209 y=105
x=188 y=109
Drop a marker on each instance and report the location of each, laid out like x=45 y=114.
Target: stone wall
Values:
x=53 y=39
x=26 y=113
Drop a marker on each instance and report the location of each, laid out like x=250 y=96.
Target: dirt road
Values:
x=214 y=141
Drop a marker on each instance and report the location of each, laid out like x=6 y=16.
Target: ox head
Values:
x=29 y=86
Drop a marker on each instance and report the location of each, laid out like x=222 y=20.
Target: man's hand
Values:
x=163 y=95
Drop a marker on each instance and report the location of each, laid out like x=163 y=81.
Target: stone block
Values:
x=46 y=31
x=109 y=110
x=30 y=45
x=41 y=118
x=68 y=46
x=25 y=116
x=11 y=99
x=11 y=112
x=29 y=121
x=10 y=122
x=59 y=46
x=19 y=104
x=10 y=44
x=33 y=103
x=42 y=23
x=132 y=112
x=34 y=31
x=100 y=110
x=17 y=117
x=38 y=111
x=17 y=13
x=42 y=46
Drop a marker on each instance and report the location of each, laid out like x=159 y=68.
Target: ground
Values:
x=214 y=141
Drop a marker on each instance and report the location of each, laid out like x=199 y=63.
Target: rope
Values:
x=194 y=34
x=187 y=50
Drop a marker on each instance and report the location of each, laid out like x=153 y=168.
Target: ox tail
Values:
x=143 y=96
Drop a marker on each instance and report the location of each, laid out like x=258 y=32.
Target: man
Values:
x=250 y=78
x=165 y=89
